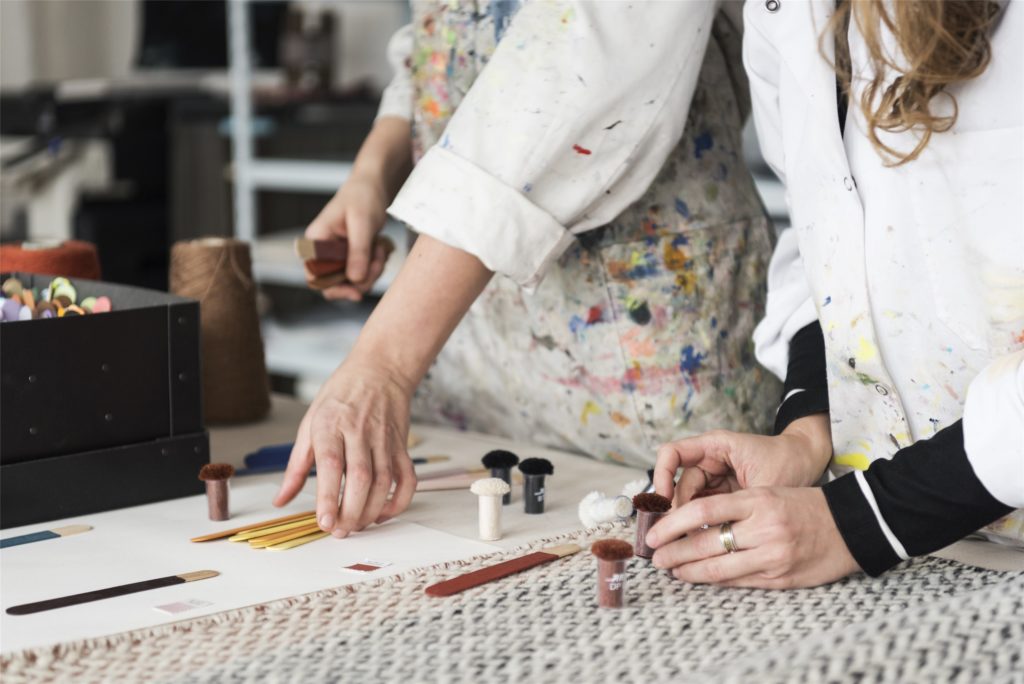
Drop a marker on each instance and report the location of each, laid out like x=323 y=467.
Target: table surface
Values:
x=231 y=444
x=452 y=514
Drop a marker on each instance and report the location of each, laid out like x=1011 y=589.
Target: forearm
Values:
x=433 y=291
x=385 y=157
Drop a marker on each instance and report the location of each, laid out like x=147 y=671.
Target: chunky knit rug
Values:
x=928 y=620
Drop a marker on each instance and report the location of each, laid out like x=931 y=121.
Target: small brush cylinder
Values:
x=611 y=583
x=533 y=493
x=490 y=518
x=217 y=499
x=644 y=522
x=506 y=475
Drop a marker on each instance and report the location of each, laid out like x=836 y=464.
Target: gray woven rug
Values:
x=929 y=620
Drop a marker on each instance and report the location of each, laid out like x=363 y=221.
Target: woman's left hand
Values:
x=785 y=536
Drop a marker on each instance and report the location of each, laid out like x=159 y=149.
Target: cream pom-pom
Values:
x=490 y=486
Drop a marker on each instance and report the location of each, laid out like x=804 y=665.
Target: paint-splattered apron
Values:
x=641 y=332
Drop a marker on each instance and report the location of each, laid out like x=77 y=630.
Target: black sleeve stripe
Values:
x=806 y=372
x=928 y=495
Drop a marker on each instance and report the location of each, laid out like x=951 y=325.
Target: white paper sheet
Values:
x=152 y=541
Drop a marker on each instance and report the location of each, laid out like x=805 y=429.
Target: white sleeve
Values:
x=789 y=307
x=994 y=428
x=396 y=100
x=567 y=125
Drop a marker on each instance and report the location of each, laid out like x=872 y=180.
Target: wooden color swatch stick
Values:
x=264 y=531
x=287 y=535
x=55 y=533
x=496 y=572
x=254 y=526
x=284 y=546
x=110 y=592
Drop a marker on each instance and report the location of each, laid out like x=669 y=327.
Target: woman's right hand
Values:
x=356 y=432
x=356 y=212
x=721 y=461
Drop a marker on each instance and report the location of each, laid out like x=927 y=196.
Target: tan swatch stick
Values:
x=284 y=546
x=254 y=526
x=263 y=531
x=271 y=539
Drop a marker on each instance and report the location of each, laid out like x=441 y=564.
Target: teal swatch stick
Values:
x=44 y=535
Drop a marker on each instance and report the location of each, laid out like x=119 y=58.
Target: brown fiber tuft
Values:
x=612 y=549
x=216 y=471
x=651 y=503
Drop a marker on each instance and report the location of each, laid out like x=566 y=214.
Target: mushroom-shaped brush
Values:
x=216 y=476
x=612 y=556
x=500 y=462
x=490 y=490
x=534 y=471
x=650 y=508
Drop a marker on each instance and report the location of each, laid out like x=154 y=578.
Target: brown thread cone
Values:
x=218 y=272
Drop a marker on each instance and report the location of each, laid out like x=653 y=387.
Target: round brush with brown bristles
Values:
x=650 y=508
x=612 y=555
x=216 y=476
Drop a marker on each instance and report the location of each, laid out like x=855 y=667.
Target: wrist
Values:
x=814 y=436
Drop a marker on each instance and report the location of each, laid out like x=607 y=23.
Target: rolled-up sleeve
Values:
x=567 y=125
x=994 y=428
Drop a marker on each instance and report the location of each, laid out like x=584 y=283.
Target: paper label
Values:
x=181 y=606
x=367 y=565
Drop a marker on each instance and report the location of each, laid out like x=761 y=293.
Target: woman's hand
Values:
x=722 y=461
x=785 y=536
x=356 y=212
x=356 y=429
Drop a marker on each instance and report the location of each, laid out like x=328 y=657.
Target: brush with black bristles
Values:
x=500 y=462
x=534 y=471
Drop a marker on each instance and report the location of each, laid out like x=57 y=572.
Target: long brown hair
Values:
x=943 y=42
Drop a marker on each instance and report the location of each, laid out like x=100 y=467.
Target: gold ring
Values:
x=728 y=539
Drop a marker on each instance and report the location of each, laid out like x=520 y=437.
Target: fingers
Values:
x=405 y=485
x=665 y=470
x=692 y=481
x=299 y=463
x=358 y=480
x=712 y=510
x=329 y=452
x=361 y=231
x=381 y=486
x=720 y=569
x=703 y=544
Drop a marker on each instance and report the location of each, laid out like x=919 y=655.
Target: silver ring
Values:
x=728 y=539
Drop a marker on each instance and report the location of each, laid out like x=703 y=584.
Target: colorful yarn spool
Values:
x=218 y=273
x=71 y=258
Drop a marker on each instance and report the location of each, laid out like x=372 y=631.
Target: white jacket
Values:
x=916 y=272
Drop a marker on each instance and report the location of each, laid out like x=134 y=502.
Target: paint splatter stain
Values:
x=608 y=128
x=690 y=360
x=828 y=300
x=594 y=315
x=589 y=409
x=639 y=312
x=620 y=419
x=702 y=143
x=682 y=209
x=528 y=187
x=856 y=461
x=579 y=149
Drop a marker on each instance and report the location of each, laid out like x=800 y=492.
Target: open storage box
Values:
x=101 y=411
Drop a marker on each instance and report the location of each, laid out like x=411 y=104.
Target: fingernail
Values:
x=655 y=561
x=326 y=522
x=340 y=533
x=652 y=540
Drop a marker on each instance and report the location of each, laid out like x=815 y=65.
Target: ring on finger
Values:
x=727 y=538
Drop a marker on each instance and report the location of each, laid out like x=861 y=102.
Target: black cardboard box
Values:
x=101 y=411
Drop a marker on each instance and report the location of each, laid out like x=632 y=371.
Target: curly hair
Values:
x=942 y=43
